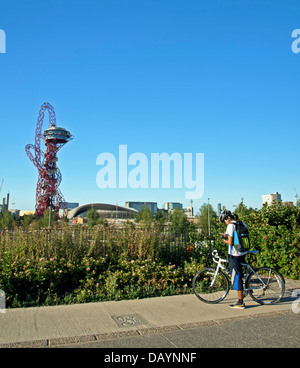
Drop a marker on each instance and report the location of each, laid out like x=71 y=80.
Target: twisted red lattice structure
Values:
x=49 y=179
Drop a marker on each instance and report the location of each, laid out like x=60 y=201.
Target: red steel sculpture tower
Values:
x=47 y=191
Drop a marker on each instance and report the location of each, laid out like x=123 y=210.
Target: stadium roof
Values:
x=103 y=208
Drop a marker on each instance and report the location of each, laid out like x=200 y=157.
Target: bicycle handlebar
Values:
x=216 y=257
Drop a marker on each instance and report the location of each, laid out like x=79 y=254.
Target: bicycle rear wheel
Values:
x=266 y=285
x=208 y=288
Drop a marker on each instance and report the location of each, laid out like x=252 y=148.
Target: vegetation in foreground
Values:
x=154 y=256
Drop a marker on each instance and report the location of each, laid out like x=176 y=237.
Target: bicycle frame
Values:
x=217 y=259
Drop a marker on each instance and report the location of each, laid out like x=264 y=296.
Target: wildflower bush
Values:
x=275 y=232
x=75 y=264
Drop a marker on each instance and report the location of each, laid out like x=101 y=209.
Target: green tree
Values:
x=179 y=222
x=145 y=216
x=44 y=221
x=92 y=217
x=207 y=219
x=26 y=220
x=161 y=218
x=64 y=219
x=6 y=220
x=241 y=210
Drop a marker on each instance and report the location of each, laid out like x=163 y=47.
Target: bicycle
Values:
x=264 y=284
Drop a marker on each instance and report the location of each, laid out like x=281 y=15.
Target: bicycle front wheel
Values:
x=210 y=287
x=266 y=285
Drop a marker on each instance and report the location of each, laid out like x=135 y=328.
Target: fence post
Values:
x=2 y=301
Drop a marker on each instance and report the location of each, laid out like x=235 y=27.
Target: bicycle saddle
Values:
x=253 y=251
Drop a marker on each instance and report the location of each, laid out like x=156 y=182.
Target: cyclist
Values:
x=235 y=258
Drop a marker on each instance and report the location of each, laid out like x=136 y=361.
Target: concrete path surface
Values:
x=44 y=326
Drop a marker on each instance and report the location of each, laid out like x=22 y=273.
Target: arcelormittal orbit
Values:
x=47 y=191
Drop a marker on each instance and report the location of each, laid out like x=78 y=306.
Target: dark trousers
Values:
x=236 y=271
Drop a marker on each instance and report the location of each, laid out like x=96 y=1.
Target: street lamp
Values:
x=208 y=218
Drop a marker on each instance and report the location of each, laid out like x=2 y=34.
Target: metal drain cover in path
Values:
x=128 y=320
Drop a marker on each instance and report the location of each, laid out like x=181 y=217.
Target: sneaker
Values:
x=237 y=305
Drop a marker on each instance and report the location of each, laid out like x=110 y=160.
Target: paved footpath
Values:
x=55 y=326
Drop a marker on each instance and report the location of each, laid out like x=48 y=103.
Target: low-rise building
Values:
x=269 y=198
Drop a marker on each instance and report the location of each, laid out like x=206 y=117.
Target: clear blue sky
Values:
x=213 y=77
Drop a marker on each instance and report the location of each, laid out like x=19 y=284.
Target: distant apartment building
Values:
x=26 y=213
x=169 y=206
x=269 y=198
x=138 y=205
x=288 y=203
x=70 y=205
x=189 y=211
x=5 y=204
